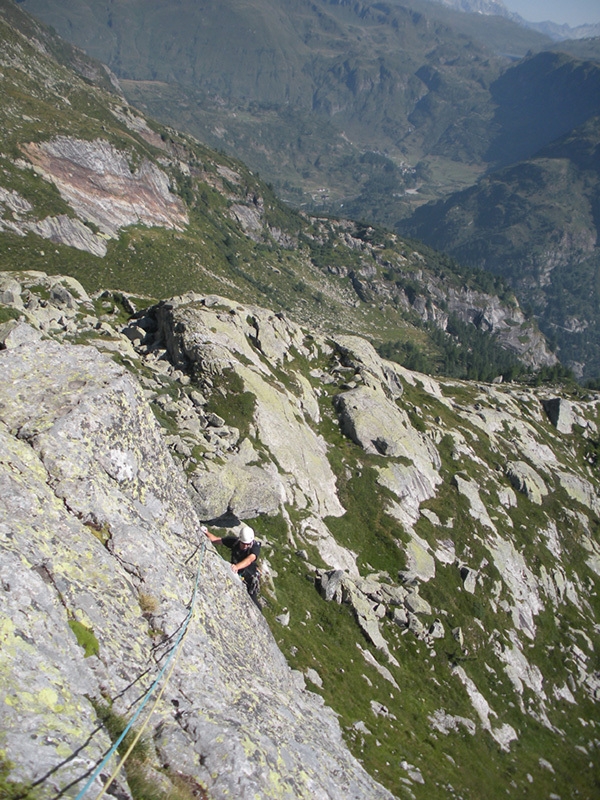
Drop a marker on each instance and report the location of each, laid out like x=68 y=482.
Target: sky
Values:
x=573 y=12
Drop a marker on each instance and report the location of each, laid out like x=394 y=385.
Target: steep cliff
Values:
x=430 y=559
x=101 y=545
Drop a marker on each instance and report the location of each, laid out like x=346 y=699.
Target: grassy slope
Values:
x=321 y=635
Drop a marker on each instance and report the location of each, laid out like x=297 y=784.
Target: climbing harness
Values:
x=172 y=658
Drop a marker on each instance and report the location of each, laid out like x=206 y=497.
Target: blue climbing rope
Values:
x=151 y=690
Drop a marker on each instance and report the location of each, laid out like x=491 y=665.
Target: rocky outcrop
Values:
x=505 y=320
x=221 y=337
x=475 y=535
x=435 y=300
x=559 y=413
x=61 y=229
x=103 y=189
x=97 y=529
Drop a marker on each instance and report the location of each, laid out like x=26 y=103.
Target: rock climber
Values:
x=245 y=550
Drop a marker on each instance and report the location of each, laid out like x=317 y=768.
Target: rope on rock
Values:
x=172 y=658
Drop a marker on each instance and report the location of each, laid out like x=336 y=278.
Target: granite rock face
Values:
x=101 y=186
x=485 y=507
x=96 y=519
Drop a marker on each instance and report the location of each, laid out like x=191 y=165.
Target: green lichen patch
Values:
x=85 y=638
x=100 y=531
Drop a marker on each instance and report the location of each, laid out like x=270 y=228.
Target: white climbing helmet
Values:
x=246 y=534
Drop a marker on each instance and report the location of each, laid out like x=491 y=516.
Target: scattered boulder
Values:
x=10 y=291
x=417 y=604
x=331 y=585
x=284 y=618
x=314 y=677
x=13 y=334
x=526 y=480
x=560 y=414
x=469 y=579
x=400 y=617
x=458 y=636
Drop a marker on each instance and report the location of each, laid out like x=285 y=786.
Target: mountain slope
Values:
x=536 y=223
x=371 y=110
x=430 y=546
x=92 y=187
x=373 y=107
x=298 y=90
x=538 y=101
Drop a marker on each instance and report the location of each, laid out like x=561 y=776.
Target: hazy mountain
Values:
x=494 y=7
x=564 y=33
x=556 y=31
x=537 y=224
x=366 y=110
x=306 y=92
x=584 y=49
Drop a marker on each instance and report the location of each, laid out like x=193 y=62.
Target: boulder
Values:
x=469 y=579
x=375 y=423
x=526 y=480
x=400 y=617
x=417 y=604
x=14 y=333
x=10 y=291
x=245 y=491
x=560 y=413
x=331 y=585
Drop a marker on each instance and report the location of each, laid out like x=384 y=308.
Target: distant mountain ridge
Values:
x=556 y=31
x=304 y=91
x=495 y=7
